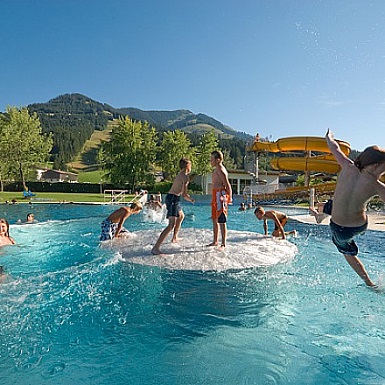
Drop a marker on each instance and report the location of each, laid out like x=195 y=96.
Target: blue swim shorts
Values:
x=342 y=237
x=172 y=204
x=108 y=230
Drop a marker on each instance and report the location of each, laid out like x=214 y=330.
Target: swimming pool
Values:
x=75 y=313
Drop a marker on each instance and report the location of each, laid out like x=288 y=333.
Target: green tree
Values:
x=130 y=154
x=23 y=144
x=201 y=166
x=174 y=146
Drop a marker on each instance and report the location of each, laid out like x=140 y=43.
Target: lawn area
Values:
x=90 y=176
x=42 y=197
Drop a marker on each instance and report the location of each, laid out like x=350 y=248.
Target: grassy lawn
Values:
x=54 y=197
x=90 y=176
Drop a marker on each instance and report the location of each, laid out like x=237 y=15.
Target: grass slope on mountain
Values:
x=73 y=119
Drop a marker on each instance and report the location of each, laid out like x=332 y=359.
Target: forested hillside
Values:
x=72 y=118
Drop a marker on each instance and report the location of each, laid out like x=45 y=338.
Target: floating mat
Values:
x=243 y=250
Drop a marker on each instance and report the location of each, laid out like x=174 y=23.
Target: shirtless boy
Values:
x=175 y=214
x=221 y=198
x=112 y=227
x=279 y=218
x=357 y=182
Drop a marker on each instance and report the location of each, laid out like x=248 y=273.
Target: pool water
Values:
x=75 y=313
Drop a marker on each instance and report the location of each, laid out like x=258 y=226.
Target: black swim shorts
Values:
x=172 y=204
x=343 y=237
x=328 y=207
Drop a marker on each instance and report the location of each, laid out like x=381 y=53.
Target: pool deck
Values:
x=376 y=221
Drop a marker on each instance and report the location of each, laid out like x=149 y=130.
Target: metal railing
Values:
x=115 y=196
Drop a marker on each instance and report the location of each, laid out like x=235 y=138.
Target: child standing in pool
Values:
x=175 y=214
x=112 y=227
x=5 y=239
x=279 y=218
x=357 y=182
x=221 y=197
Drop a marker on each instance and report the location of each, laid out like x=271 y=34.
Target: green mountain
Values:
x=183 y=120
x=72 y=118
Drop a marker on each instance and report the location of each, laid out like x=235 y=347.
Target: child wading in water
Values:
x=357 y=182
x=222 y=196
x=175 y=214
x=5 y=239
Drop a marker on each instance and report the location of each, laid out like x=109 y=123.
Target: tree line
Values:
x=23 y=145
x=136 y=151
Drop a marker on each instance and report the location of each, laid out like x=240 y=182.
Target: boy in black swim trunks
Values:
x=357 y=182
x=174 y=212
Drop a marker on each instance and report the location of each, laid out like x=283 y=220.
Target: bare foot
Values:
x=212 y=244
x=222 y=248
x=156 y=251
x=176 y=240
x=321 y=217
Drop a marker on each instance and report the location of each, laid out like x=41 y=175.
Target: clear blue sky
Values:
x=278 y=67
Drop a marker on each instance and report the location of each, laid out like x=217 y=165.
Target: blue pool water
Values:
x=75 y=313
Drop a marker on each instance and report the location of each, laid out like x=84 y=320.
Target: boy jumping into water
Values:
x=279 y=218
x=221 y=198
x=357 y=182
x=175 y=214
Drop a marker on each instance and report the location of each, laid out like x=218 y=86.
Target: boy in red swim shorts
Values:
x=221 y=198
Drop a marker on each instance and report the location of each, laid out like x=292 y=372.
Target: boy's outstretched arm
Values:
x=335 y=149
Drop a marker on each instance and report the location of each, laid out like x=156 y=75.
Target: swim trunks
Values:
x=219 y=205
x=283 y=223
x=328 y=207
x=108 y=230
x=343 y=237
x=172 y=205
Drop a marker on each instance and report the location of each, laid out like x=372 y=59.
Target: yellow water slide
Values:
x=309 y=162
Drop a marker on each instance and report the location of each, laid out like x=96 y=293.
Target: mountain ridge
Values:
x=164 y=120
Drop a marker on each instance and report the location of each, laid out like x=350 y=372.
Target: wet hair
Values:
x=183 y=163
x=136 y=206
x=2 y=220
x=371 y=155
x=30 y=214
x=217 y=155
x=258 y=209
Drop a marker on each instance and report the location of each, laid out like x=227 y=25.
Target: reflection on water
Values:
x=75 y=313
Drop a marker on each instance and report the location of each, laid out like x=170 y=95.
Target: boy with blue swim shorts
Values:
x=112 y=227
x=174 y=212
x=357 y=183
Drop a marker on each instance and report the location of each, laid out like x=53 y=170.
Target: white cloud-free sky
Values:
x=280 y=68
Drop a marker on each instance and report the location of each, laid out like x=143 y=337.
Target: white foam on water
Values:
x=150 y=215
x=243 y=250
